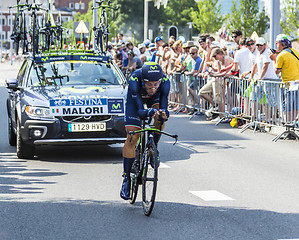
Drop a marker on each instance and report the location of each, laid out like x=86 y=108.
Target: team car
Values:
x=66 y=98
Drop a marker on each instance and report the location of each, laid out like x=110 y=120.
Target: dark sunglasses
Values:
x=235 y=36
x=258 y=45
x=250 y=44
x=192 y=53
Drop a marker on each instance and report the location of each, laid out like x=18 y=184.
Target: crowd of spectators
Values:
x=208 y=59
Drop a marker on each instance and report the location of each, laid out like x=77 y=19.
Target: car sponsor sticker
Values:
x=115 y=106
x=46 y=59
x=88 y=106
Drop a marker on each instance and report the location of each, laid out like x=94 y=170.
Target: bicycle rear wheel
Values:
x=149 y=178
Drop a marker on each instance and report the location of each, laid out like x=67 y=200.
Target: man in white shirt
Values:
x=264 y=67
x=244 y=60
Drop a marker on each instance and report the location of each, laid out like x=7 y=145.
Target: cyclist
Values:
x=149 y=86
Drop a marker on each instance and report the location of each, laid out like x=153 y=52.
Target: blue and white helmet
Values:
x=151 y=71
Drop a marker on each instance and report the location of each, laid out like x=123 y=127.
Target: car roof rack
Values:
x=75 y=55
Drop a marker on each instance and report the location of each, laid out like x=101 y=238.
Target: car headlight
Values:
x=42 y=112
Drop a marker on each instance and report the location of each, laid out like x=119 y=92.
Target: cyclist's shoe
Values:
x=152 y=160
x=125 y=188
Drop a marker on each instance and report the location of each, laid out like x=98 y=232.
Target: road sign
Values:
x=81 y=28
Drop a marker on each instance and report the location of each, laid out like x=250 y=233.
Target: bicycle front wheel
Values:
x=135 y=174
x=149 y=178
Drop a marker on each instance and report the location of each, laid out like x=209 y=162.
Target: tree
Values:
x=290 y=22
x=130 y=17
x=208 y=18
x=247 y=18
x=178 y=13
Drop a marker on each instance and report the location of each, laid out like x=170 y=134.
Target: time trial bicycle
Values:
x=145 y=167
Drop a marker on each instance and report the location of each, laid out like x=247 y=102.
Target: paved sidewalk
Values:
x=8 y=71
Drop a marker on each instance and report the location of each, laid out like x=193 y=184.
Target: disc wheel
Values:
x=149 y=178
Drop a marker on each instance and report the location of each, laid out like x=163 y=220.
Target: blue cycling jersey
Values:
x=137 y=97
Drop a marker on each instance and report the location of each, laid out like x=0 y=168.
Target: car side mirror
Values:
x=12 y=84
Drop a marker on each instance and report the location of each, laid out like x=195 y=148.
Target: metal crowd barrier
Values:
x=258 y=103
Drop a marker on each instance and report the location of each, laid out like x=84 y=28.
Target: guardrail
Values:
x=258 y=103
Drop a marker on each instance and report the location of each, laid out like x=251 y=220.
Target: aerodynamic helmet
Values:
x=151 y=71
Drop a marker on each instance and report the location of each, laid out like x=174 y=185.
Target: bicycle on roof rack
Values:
x=19 y=34
x=145 y=167
x=102 y=30
x=51 y=32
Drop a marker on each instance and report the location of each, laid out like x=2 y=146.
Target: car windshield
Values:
x=73 y=73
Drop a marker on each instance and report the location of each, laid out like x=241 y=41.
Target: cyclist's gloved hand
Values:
x=151 y=112
x=166 y=112
x=143 y=113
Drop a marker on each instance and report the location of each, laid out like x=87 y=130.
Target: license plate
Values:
x=86 y=127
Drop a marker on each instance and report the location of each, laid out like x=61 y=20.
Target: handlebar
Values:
x=104 y=6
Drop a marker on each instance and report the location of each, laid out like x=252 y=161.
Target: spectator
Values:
x=196 y=62
x=142 y=58
x=245 y=57
x=265 y=68
x=150 y=48
x=119 y=60
x=176 y=71
x=141 y=48
x=205 y=54
x=110 y=49
x=133 y=64
x=157 y=54
x=124 y=54
x=187 y=59
x=263 y=65
x=287 y=62
x=135 y=50
x=164 y=63
x=236 y=35
x=120 y=37
x=214 y=86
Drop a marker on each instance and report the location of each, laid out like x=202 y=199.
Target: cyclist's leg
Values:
x=133 y=123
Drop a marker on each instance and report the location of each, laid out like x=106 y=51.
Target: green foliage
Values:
x=130 y=17
x=247 y=18
x=207 y=17
x=290 y=22
x=178 y=13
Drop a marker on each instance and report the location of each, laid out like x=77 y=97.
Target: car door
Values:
x=14 y=96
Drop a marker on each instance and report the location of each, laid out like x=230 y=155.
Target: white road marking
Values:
x=163 y=165
x=211 y=195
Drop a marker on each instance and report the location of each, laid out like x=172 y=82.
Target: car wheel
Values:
x=23 y=150
x=12 y=137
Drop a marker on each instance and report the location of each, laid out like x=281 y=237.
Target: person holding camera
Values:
x=287 y=60
x=287 y=64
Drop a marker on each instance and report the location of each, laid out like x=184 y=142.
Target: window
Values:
x=3 y=21
x=21 y=73
x=3 y=36
x=77 y=6
x=9 y=21
x=82 y=6
x=71 y=5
